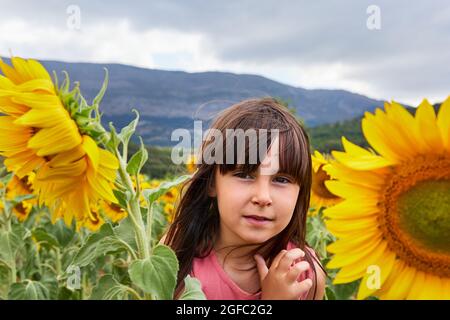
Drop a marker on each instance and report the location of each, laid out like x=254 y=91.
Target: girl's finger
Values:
x=289 y=258
x=303 y=287
x=296 y=270
x=277 y=259
x=261 y=266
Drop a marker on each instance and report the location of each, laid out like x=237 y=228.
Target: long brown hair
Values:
x=196 y=220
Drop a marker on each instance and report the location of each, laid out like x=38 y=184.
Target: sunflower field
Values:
x=78 y=219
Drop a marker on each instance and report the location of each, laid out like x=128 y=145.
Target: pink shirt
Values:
x=217 y=285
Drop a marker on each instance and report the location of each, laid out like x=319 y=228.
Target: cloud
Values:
x=98 y=43
x=313 y=44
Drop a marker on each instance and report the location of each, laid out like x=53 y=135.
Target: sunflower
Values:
x=35 y=124
x=168 y=200
x=144 y=183
x=320 y=195
x=20 y=187
x=395 y=216
x=171 y=196
x=113 y=211
x=93 y=221
x=191 y=163
x=78 y=178
x=40 y=133
x=169 y=211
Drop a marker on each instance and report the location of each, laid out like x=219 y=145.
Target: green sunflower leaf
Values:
x=153 y=194
x=108 y=288
x=156 y=275
x=192 y=289
x=138 y=160
x=28 y=290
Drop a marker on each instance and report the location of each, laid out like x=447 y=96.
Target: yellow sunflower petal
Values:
x=350 y=209
x=363 y=162
x=79 y=203
x=92 y=151
x=340 y=229
x=340 y=260
x=417 y=287
x=74 y=169
x=426 y=121
x=41 y=119
x=22 y=68
x=346 y=190
x=25 y=167
x=387 y=286
x=358 y=269
x=433 y=288
x=346 y=244
x=378 y=138
x=108 y=160
x=56 y=139
x=443 y=121
x=40 y=85
x=102 y=189
x=385 y=264
x=48 y=102
x=64 y=158
x=407 y=127
x=10 y=72
x=368 y=179
x=392 y=127
x=446 y=293
x=57 y=190
x=349 y=274
x=37 y=70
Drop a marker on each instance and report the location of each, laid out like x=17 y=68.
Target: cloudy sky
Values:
x=384 y=49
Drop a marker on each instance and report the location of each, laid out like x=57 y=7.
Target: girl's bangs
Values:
x=293 y=161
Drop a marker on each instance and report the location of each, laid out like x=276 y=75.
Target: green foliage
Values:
x=28 y=290
x=152 y=195
x=138 y=160
x=327 y=137
x=160 y=164
x=108 y=288
x=33 y=256
x=98 y=244
x=318 y=238
x=156 y=275
x=192 y=290
x=42 y=260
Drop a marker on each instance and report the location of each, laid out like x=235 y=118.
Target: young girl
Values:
x=240 y=229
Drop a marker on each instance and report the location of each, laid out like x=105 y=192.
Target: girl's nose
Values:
x=262 y=196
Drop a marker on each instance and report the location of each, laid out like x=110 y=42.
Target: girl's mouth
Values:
x=257 y=220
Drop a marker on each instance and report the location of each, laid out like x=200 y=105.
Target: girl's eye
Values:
x=283 y=180
x=242 y=175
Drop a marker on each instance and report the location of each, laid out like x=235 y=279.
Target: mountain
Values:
x=172 y=99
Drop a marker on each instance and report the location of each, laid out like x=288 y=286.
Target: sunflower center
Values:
x=415 y=213
x=25 y=184
x=116 y=207
x=424 y=212
x=20 y=209
x=318 y=184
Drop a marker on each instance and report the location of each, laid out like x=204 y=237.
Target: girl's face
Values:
x=253 y=208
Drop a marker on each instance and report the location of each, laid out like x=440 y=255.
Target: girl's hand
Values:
x=280 y=281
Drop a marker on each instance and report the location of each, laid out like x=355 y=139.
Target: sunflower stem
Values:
x=134 y=210
x=12 y=265
x=149 y=222
x=57 y=262
x=141 y=237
